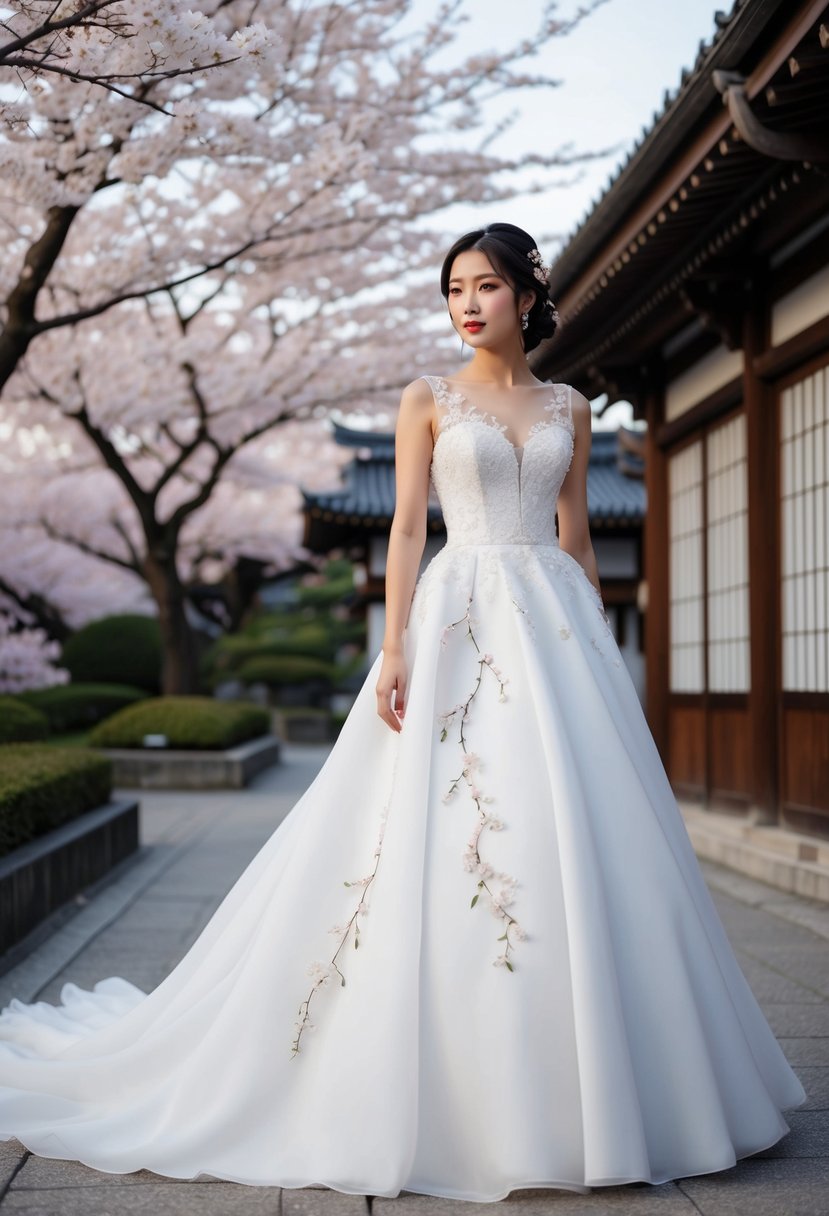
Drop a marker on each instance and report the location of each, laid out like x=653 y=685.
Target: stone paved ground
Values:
x=143 y=920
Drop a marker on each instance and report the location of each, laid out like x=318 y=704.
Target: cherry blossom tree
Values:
x=108 y=43
x=27 y=658
x=201 y=265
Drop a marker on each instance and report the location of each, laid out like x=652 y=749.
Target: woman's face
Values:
x=480 y=297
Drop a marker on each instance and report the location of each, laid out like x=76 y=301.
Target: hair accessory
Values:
x=540 y=271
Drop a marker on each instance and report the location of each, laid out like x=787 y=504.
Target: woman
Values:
x=543 y=994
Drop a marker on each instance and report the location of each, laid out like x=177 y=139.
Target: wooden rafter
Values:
x=810 y=146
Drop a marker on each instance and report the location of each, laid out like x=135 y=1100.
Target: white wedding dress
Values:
x=543 y=993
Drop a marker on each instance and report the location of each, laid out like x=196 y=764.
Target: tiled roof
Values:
x=669 y=126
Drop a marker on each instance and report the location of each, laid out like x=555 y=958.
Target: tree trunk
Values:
x=179 y=668
x=20 y=326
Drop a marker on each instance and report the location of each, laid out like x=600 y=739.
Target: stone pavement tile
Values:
x=309 y=1201
x=815 y=1081
x=158 y=914
x=12 y=1153
x=798 y=1020
x=811 y=913
x=146 y=1199
x=809 y=1136
x=762 y=1188
x=807 y=965
x=770 y=988
x=52 y=1173
x=659 y=1200
x=758 y=926
x=805 y=1051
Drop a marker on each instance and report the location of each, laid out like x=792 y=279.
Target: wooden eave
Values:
x=675 y=237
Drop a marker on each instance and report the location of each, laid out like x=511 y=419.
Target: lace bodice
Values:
x=491 y=490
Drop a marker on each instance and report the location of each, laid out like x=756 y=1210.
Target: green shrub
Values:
x=197 y=723
x=19 y=722
x=116 y=650
x=228 y=655
x=78 y=706
x=284 y=669
x=42 y=787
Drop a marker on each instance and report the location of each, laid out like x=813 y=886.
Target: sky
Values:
x=614 y=68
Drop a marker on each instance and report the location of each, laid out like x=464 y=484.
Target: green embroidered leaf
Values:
x=342 y=983
x=474 y=901
x=509 y=964
x=502 y=938
x=443 y=734
x=356 y=942
x=346 y=884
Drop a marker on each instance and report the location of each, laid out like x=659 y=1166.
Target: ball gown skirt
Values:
x=477 y=955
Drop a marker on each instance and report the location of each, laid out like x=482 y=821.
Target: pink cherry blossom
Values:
x=169 y=389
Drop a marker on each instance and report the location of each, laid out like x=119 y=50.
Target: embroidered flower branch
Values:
x=473 y=862
x=322 y=973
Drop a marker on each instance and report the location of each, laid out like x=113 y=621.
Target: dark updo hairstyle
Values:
x=507 y=247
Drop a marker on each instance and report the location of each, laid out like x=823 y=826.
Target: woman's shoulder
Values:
x=579 y=404
x=417 y=390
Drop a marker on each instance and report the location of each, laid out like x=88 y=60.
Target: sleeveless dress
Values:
x=478 y=954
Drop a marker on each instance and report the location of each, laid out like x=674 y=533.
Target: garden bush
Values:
x=42 y=787
x=19 y=722
x=191 y=723
x=78 y=706
x=116 y=650
x=277 y=670
x=228 y=655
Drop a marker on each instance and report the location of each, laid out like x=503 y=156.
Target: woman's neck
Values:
x=487 y=367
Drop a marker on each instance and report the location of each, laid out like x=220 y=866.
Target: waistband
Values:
x=502 y=544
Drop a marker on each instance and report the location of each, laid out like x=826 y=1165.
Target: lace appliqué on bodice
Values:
x=454 y=406
x=498 y=501
x=491 y=490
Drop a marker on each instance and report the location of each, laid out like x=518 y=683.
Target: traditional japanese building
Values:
x=697 y=289
x=358 y=517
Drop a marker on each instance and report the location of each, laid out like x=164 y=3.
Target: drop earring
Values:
x=525 y=320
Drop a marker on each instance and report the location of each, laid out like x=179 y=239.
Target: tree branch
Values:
x=90 y=550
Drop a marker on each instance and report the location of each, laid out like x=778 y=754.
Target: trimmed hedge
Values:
x=226 y=657
x=283 y=669
x=77 y=706
x=191 y=723
x=116 y=650
x=20 y=723
x=42 y=787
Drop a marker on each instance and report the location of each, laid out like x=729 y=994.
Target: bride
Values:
x=479 y=953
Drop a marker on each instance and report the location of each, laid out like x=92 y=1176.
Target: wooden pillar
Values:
x=657 y=657
x=764 y=610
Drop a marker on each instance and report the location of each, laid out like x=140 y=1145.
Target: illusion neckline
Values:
x=504 y=388
x=499 y=427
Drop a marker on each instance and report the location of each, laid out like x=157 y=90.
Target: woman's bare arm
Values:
x=573 y=520
x=407 y=537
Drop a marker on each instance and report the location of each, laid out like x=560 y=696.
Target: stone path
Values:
x=140 y=922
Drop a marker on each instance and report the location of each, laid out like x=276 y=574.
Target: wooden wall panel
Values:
x=805 y=793
x=730 y=772
x=686 y=733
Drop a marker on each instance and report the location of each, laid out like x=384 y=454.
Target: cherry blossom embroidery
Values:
x=501 y=897
x=323 y=973
x=527 y=618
